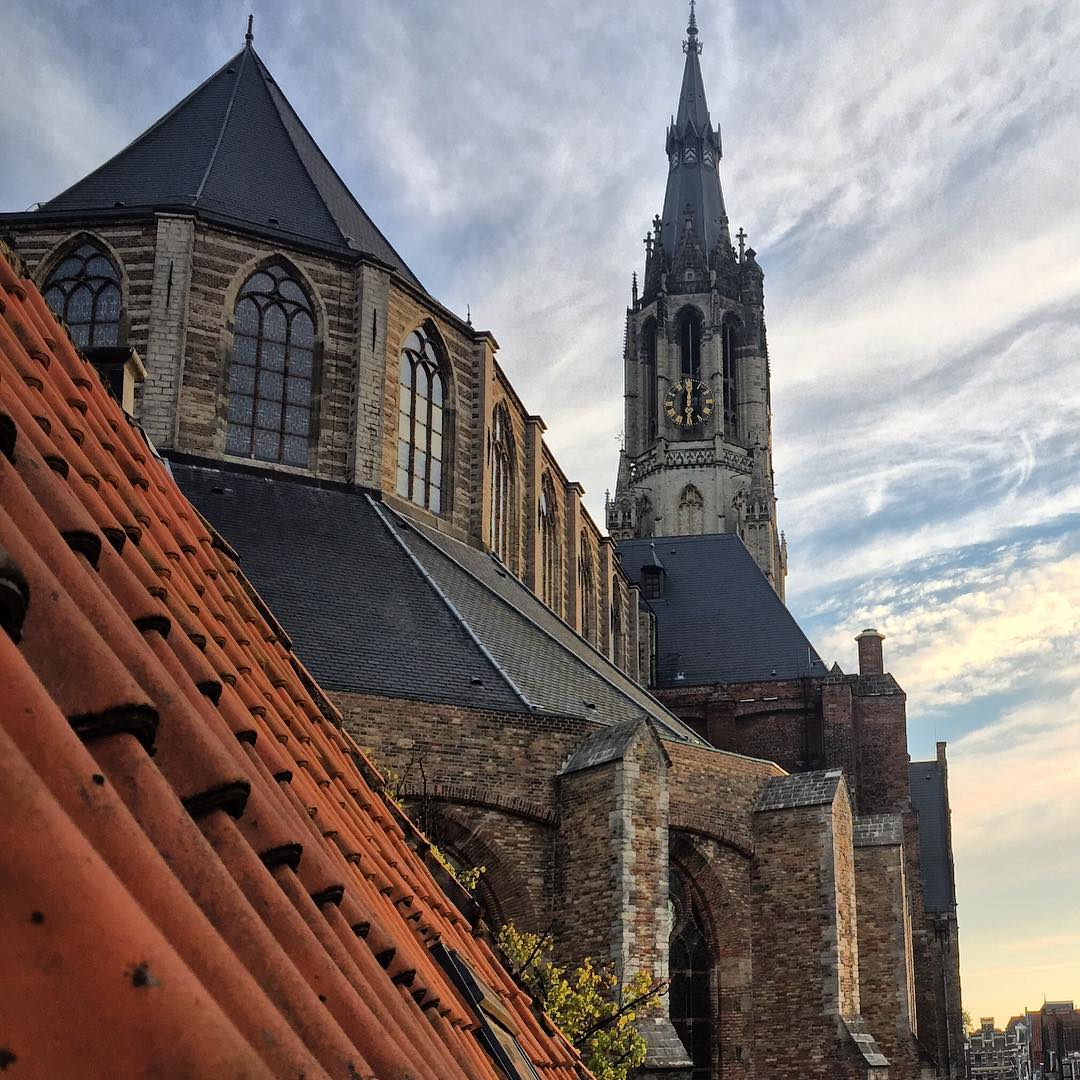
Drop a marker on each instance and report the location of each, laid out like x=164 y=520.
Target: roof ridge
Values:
x=666 y=713
x=159 y=122
x=275 y=92
x=434 y=586
x=224 y=123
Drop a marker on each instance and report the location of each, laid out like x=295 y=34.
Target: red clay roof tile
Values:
x=243 y=902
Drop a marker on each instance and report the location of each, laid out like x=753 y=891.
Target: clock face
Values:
x=689 y=402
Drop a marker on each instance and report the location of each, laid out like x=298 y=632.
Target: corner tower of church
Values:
x=697 y=457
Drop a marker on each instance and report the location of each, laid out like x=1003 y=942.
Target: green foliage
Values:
x=593 y=1010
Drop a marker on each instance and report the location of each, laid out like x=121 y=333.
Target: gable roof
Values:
x=235 y=150
x=718 y=620
x=192 y=843
x=378 y=605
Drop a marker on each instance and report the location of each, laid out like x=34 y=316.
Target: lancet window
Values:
x=501 y=460
x=550 y=563
x=648 y=378
x=586 y=590
x=272 y=369
x=691 y=512
x=731 y=378
x=690 y=343
x=421 y=423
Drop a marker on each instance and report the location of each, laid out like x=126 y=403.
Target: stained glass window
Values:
x=587 y=590
x=83 y=289
x=271 y=370
x=421 y=423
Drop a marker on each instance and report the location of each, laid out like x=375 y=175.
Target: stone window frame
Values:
x=550 y=549
x=696 y=915
x=587 y=599
x=502 y=465
x=650 y=379
x=689 y=320
x=431 y=360
x=690 y=500
x=65 y=250
x=730 y=327
x=320 y=317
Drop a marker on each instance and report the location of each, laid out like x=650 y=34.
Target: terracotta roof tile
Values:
x=192 y=842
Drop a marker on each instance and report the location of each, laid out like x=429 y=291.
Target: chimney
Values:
x=871 y=661
x=121 y=369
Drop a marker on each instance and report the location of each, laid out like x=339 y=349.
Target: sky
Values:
x=907 y=172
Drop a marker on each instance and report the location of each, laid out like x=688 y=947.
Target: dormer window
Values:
x=652 y=582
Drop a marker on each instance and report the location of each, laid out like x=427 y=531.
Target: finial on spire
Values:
x=691 y=42
x=468 y=315
x=249 y=37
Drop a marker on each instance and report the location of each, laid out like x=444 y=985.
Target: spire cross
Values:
x=741 y=237
x=249 y=37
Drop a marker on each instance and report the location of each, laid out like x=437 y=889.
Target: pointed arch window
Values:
x=646 y=517
x=501 y=460
x=586 y=590
x=618 y=636
x=731 y=378
x=691 y=512
x=550 y=562
x=272 y=369
x=421 y=423
x=690 y=964
x=690 y=343
x=83 y=289
x=648 y=377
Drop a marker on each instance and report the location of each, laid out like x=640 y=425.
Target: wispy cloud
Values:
x=907 y=173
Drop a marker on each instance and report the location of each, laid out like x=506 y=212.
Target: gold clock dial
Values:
x=688 y=402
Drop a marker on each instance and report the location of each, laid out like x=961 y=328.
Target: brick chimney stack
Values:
x=871 y=661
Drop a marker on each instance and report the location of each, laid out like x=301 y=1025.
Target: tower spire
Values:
x=694 y=149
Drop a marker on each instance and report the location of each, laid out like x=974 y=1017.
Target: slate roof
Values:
x=235 y=150
x=378 y=605
x=929 y=796
x=200 y=875
x=799 y=789
x=346 y=591
x=719 y=620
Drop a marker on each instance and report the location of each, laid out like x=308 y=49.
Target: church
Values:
x=624 y=726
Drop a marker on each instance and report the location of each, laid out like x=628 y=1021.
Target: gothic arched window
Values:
x=648 y=377
x=587 y=590
x=690 y=966
x=421 y=423
x=502 y=458
x=691 y=512
x=618 y=637
x=690 y=343
x=83 y=289
x=272 y=369
x=550 y=570
x=731 y=383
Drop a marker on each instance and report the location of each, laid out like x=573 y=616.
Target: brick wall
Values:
x=886 y=961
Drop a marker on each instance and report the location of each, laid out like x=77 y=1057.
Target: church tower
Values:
x=698 y=445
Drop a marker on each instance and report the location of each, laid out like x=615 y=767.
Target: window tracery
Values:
x=586 y=590
x=502 y=458
x=690 y=965
x=691 y=511
x=550 y=562
x=421 y=423
x=272 y=369
x=83 y=289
